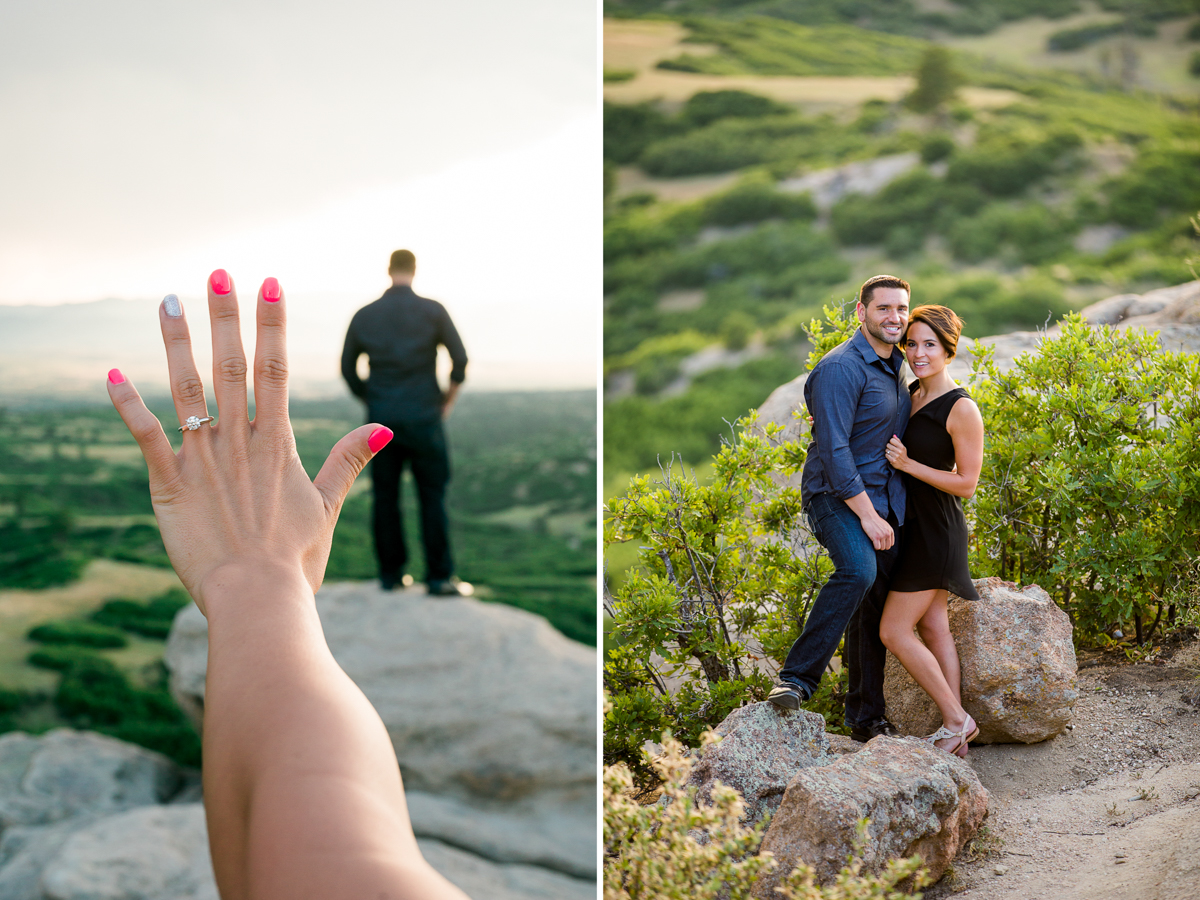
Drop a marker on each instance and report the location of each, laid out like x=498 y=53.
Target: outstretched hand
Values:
x=235 y=498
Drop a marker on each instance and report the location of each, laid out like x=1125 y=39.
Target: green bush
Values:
x=736 y=330
x=1193 y=33
x=77 y=633
x=152 y=619
x=936 y=147
x=937 y=80
x=95 y=694
x=755 y=200
x=1008 y=165
x=1090 y=478
x=705 y=107
x=1194 y=64
x=59 y=658
x=629 y=128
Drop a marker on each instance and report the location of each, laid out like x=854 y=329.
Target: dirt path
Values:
x=1107 y=811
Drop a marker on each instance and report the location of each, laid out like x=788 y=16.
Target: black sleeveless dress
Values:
x=935 y=530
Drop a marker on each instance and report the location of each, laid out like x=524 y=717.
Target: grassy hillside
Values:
x=1029 y=193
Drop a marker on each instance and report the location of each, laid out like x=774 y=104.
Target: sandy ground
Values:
x=1107 y=811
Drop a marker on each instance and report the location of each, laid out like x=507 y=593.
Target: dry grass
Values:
x=102 y=580
x=638 y=45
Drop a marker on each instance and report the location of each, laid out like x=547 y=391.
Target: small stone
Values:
x=1119 y=862
x=1000 y=870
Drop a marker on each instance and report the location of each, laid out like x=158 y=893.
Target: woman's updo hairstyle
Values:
x=944 y=322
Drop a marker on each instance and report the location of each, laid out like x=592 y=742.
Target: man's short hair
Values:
x=888 y=281
x=402 y=261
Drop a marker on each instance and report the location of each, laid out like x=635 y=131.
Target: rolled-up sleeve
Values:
x=351 y=351
x=454 y=346
x=833 y=402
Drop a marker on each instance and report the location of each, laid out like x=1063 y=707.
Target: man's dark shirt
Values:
x=858 y=401
x=400 y=332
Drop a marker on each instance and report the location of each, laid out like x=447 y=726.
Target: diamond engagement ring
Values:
x=194 y=422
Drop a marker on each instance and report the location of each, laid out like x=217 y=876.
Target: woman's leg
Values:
x=901 y=613
x=934 y=628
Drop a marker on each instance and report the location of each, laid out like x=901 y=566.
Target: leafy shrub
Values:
x=59 y=658
x=1007 y=165
x=1193 y=33
x=1090 y=477
x=152 y=619
x=95 y=694
x=754 y=200
x=77 y=633
x=1194 y=64
x=936 y=147
x=629 y=128
x=1159 y=179
x=736 y=330
x=705 y=107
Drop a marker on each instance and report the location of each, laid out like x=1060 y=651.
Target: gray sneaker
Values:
x=787 y=695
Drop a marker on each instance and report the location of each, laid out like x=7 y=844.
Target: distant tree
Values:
x=937 y=80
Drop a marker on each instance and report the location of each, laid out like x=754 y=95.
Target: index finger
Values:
x=270 y=357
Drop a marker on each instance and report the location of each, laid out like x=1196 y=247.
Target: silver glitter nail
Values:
x=171 y=306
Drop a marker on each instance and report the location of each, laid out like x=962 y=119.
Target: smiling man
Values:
x=854 y=502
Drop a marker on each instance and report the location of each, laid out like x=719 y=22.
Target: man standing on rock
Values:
x=400 y=333
x=854 y=502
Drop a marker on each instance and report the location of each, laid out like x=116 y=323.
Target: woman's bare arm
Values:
x=301 y=786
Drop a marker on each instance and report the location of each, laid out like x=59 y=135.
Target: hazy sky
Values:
x=146 y=143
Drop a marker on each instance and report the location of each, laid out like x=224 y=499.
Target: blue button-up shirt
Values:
x=858 y=401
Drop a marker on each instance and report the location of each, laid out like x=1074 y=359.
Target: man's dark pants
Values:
x=422 y=445
x=851 y=602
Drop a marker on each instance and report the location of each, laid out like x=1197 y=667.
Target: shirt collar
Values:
x=859 y=341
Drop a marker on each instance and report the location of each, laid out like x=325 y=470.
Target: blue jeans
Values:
x=851 y=602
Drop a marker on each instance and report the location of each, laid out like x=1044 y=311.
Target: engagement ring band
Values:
x=194 y=422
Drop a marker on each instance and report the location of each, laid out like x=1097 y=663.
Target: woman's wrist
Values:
x=262 y=584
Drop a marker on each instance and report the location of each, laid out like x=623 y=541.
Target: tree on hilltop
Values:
x=937 y=80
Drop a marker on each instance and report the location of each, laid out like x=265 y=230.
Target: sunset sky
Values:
x=145 y=144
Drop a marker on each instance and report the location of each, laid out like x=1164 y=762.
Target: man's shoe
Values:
x=389 y=582
x=450 y=587
x=787 y=695
x=863 y=733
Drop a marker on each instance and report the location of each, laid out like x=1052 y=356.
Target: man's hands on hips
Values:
x=873 y=525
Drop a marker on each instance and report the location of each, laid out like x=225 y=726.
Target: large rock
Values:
x=919 y=800
x=487 y=706
x=481 y=879
x=66 y=773
x=761 y=748
x=151 y=853
x=1018 y=668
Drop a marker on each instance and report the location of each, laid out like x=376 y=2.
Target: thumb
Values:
x=348 y=457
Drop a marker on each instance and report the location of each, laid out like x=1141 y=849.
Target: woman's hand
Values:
x=897 y=455
x=235 y=499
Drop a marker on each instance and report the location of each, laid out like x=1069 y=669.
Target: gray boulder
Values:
x=487 y=706
x=66 y=773
x=1018 y=668
x=761 y=748
x=482 y=879
x=919 y=800
x=150 y=853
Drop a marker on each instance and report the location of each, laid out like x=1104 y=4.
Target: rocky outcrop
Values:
x=492 y=713
x=63 y=774
x=761 y=748
x=1018 y=668
x=869 y=176
x=918 y=799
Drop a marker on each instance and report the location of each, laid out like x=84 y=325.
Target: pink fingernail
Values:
x=115 y=376
x=379 y=439
x=270 y=290
x=219 y=282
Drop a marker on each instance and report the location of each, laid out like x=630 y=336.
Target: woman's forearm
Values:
x=949 y=482
x=287 y=733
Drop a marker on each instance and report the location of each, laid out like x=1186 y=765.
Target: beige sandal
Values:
x=969 y=732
